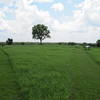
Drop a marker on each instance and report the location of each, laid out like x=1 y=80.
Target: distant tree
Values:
x=72 y=43
x=40 y=32
x=98 y=43
x=85 y=44
x=9 y=41
x=2 y=44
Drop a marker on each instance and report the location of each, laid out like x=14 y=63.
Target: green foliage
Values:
x=9 y=41
x=98 y=43
x=40 y=32
x=49 y=72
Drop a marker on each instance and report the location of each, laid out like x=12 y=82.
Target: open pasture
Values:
x=49 y=72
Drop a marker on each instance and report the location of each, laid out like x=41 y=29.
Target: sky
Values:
x=67 y=20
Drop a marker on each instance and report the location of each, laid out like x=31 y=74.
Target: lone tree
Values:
x=98 y=43
x=40 y=32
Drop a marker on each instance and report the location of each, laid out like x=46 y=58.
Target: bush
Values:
x=72 y=43
x=98 y=43
x=9 y=41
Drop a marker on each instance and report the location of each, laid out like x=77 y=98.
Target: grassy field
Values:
x=49 y=72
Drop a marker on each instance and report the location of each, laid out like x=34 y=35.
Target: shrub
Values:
x=9 y=41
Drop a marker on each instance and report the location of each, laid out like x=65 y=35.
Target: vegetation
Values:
x=49 y=72
x=98 y=43
x=9 y=41
x=40 y=32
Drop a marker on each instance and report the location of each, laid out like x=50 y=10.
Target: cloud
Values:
x=90 y=10
x=86 y=20
x=42 y=0
x=7 y=2
x=58 y=7
x=83 y=26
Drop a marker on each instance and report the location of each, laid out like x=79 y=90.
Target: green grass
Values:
x=49 y=72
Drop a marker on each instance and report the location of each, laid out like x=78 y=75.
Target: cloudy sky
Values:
x=68 y=20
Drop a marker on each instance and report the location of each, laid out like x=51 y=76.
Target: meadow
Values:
x=49 y=72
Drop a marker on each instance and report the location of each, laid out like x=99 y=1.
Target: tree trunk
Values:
x=40 y=41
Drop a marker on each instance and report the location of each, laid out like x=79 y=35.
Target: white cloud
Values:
x=83 y=26
x=7 y=2
x=44 y=0
x=58 y=7
x=3 y=23
x=41 y=1
x=86 y=20
x=91 y=10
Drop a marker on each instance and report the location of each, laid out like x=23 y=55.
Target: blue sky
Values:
x=68 y=20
